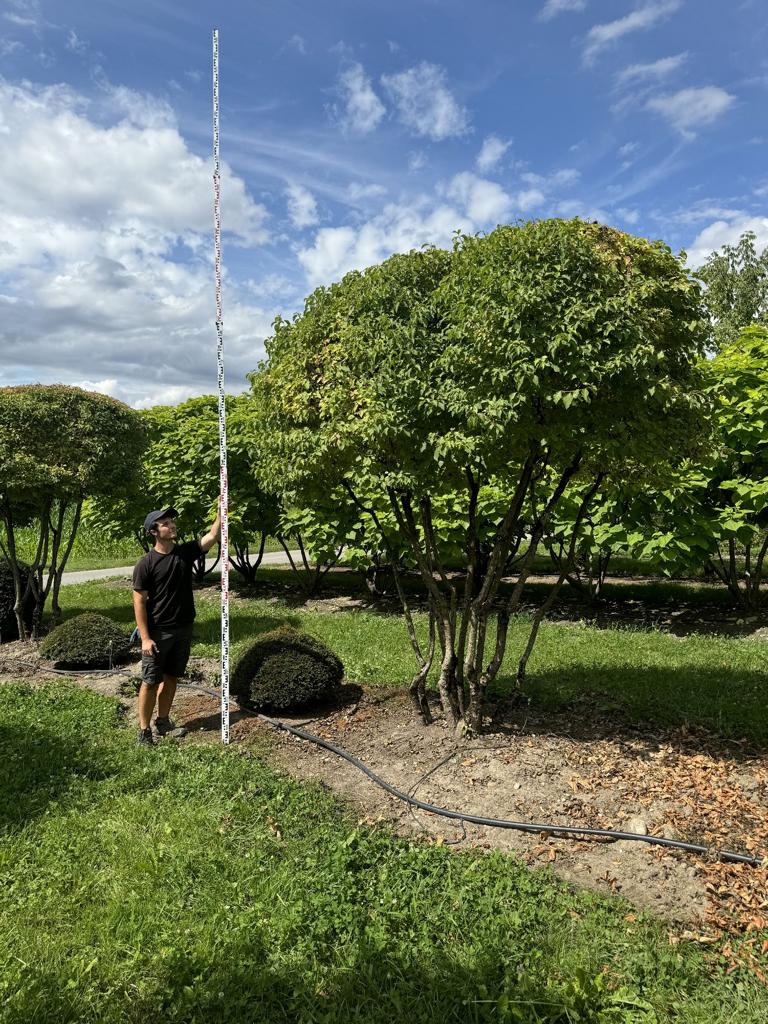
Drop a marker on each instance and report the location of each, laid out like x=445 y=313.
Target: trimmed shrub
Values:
x=86 y=641
x=8 y=627
x=284 y=669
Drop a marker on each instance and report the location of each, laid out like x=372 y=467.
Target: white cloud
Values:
x=552 y=8
x=566 y=176
x=654 y=71
x=302 y=208
x=142 y=110
x=725 y=232
x=398 y=228
x=425 y=103
x=75 y=43
x=109 y=386
x=9 y=46
x=628 y=149
x=170 y=395
x=706 y=210
x=585 y=211
x=541 y=185
x=465 y=202
x=20 y=21
x=628 y=216
x=531 y=178
x=692 y=108
x=272 y=286
x=357 y=191
x=144 y=172
x=363 y=110
x=644 y=17
x=297 y=43
x=105 y=264
x=491 y=151
x=529 y=198
x=417 y=160
x=26 y=14
x=485 y=202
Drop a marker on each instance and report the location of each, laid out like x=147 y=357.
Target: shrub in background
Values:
x=284 y=669
x=86 y=641
x=9 y=629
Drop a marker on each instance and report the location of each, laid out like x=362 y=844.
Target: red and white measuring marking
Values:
x=224 y=489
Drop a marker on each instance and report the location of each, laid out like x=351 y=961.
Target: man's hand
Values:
x=214 y=534
x=148 y=647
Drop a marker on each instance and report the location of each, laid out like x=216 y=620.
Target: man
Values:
x=165 y=610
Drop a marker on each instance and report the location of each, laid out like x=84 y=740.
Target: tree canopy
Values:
x=533 y=359
x=180 y=467
x=736 y=279
x=714 y=512
x=59 y=445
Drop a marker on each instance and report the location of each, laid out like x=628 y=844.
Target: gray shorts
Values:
x=173 y=646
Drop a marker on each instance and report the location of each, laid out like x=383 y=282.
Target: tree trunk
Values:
x=241 y=561
x=58 y=571
x=18 y=607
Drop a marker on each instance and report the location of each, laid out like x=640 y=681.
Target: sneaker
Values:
x=166 y=727
x=145 y=738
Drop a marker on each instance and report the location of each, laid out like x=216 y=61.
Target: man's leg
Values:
x=147 y=698
x=165 y=695
x=175 y=661
x=151 y=674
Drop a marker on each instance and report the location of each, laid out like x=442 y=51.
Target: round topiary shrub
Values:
x=86 y=641
x=8 y=627
x=283 y=670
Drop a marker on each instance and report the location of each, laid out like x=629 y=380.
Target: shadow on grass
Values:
x=625 y=700
x=38 y=767
x=374 y=986
x=651 y=603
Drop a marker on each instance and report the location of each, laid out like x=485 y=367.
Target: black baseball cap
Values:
x=159 y=513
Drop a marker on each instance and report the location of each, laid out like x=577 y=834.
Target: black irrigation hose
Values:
x=474 y=819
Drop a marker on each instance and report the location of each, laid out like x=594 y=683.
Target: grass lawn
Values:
x=193 y=883
x=716 y=682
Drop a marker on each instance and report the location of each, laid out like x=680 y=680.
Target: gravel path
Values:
x=82 y=576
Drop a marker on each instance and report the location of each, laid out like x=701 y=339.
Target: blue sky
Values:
x=349 y=131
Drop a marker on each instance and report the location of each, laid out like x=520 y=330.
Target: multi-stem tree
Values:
x=537 y=359
x=58 y=446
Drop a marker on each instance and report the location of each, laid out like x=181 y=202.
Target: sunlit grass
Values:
x=192 y=883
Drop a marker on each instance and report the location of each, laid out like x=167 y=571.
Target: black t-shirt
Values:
x=168 y=582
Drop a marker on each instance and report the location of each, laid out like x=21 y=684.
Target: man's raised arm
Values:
x=209 y=539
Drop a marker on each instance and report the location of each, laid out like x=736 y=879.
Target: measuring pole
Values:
x=224 y=489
